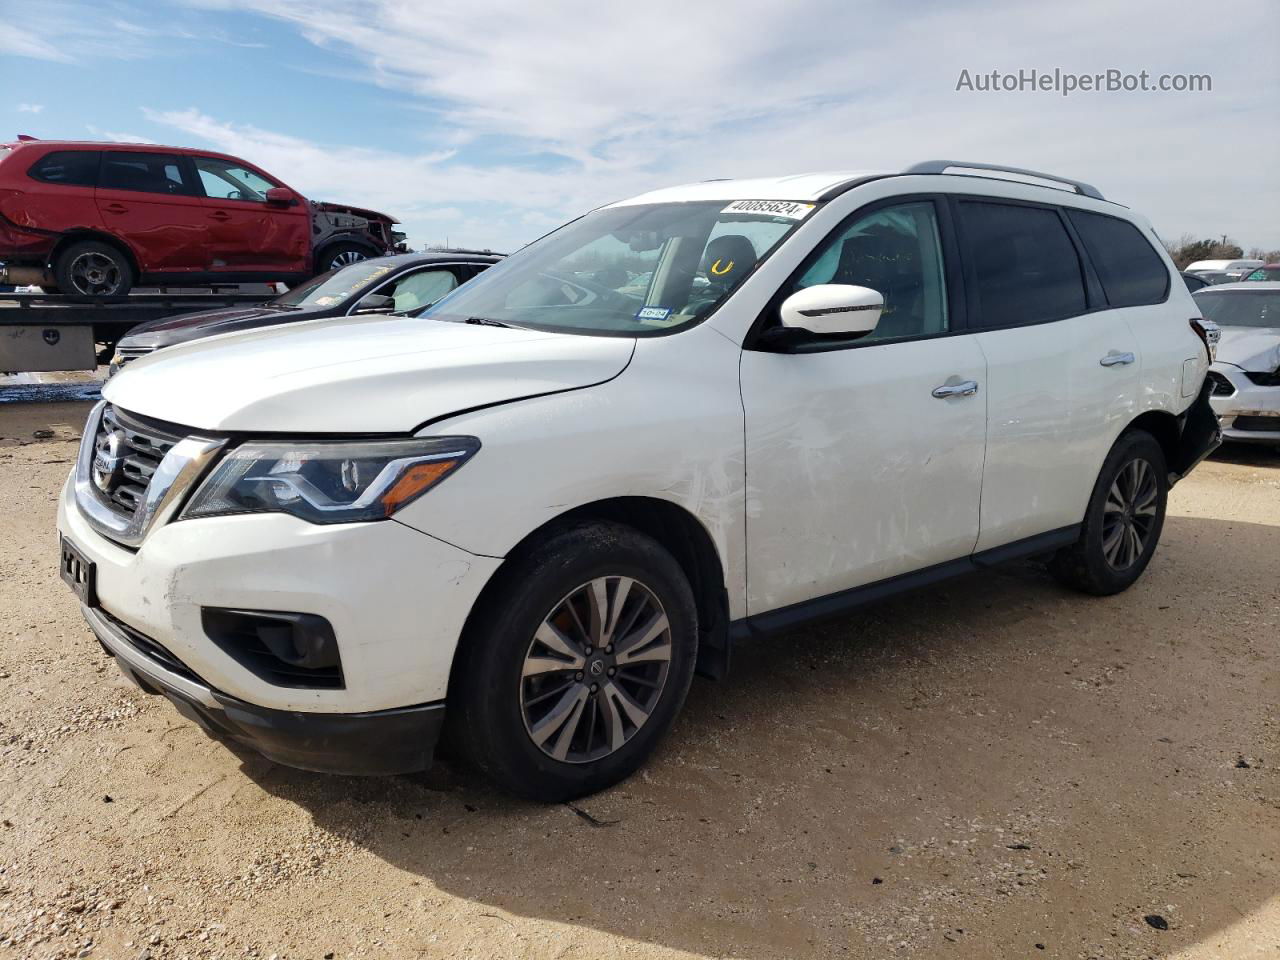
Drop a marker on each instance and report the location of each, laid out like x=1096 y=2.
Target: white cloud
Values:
x=20 y=43
x=430 y=193
x=30 y=107
x=677 y=90
x=67 y=31
x=116 y=136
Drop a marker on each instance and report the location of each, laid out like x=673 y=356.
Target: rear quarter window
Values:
x=72 y=168
x=1131 y=272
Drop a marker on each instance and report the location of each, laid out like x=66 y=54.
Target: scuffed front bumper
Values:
x=1251 y=413
x=377 y=742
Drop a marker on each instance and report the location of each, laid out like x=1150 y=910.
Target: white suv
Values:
x=706 y=413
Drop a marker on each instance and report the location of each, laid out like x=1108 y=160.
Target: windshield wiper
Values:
x=486 y=322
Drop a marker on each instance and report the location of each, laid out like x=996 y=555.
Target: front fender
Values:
x=669 y=427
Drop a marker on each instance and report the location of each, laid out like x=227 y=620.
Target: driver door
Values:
x=857 y=471
x=246 y=234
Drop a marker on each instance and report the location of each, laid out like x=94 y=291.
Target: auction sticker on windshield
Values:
x=776 y=208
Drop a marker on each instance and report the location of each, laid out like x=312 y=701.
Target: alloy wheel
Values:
x=95 y=275
x=595 y=670
x=1129 y=514
x=345 y=259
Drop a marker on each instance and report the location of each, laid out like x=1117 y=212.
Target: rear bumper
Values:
x=1199 y=437
x=21 y=247
x=380 y=742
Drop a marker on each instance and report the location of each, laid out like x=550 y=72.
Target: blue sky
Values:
x=488 y=124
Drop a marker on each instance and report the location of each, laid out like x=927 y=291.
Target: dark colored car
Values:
x=1194 y=282
x=398 y=284
x=1270 y=271
x=96 y=219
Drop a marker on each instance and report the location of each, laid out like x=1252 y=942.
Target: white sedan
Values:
x=1246 y=374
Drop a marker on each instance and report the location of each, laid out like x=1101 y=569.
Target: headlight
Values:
x=335 y=482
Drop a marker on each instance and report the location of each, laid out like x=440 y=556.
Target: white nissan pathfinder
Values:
x=524 y=518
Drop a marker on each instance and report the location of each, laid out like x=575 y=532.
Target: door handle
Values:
x=965 y=388
x=116 y=208
x=1114 y=359
x=219 y=215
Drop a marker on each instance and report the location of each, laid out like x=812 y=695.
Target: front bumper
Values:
x=1251 y=413
x=397 y=599
x=378 y=742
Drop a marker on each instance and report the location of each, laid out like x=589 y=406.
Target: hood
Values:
x=1256 y=349
x=358 y=374
x=190 y=326
x=354 y=211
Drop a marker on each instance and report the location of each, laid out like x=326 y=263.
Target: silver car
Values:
x=1246 y=373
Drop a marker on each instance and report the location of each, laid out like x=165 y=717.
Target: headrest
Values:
x=729 y=258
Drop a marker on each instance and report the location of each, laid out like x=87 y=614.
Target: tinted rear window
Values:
x=78 y=168
x=1131 y=271
x=1026 y=266
x=147 y=172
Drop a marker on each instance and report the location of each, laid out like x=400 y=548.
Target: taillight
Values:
x=1203 y=334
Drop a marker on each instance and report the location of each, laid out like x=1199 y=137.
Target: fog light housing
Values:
x=285 y=649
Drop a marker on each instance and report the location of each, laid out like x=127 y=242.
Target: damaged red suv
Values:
x=95 y=219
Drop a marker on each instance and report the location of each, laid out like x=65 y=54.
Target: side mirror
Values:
x=375 y=303
x=833 y=309
x=280 y=197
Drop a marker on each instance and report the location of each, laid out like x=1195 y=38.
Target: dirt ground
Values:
x=992 y=768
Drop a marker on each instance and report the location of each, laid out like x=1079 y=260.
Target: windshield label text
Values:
x=776 y=208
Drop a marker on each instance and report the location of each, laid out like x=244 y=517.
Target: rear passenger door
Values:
x=60 y=191
x=1062 y=370
x=149 y=201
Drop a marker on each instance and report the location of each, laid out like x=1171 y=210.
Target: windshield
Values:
x=1255 y=308
x=628 y=271
x=336 y=286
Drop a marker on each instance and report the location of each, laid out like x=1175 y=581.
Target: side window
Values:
x=421 y=289
x=1026 y=266
x=222 y=180
x=144 y=172
x=1131 y=272
x=72 y=168
x=897 y=252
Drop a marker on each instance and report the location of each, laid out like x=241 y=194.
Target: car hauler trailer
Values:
x=43 y=332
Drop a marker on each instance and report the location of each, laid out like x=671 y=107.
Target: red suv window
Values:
x=146 y=172
x=77 y=168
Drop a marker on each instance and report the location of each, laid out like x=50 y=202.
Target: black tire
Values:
x=489 y=719
x=339 y=255
x=1104 y=560
x=93 y=269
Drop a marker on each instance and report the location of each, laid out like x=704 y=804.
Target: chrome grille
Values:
x=133 y=472
x=126 y=455
x=1220 y=386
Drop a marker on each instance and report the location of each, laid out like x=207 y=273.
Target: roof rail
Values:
x=942 y=166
